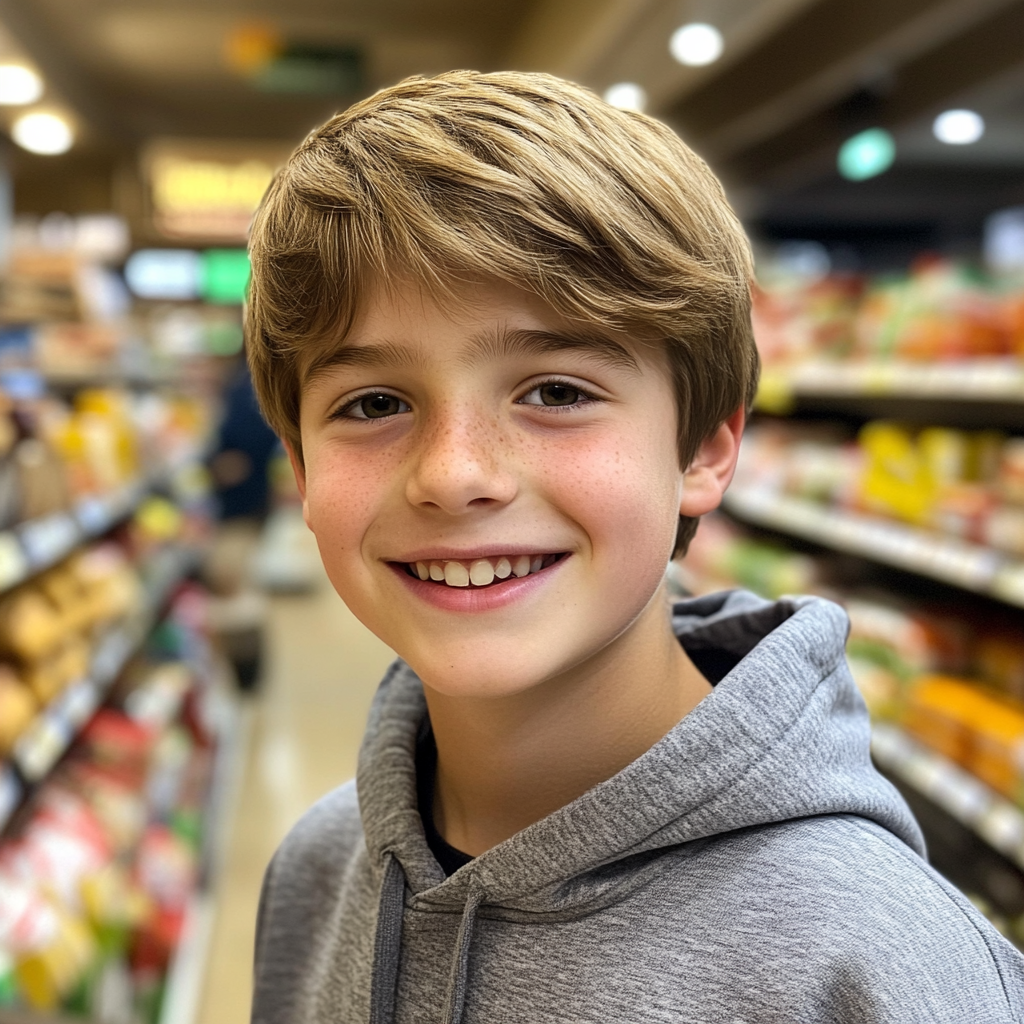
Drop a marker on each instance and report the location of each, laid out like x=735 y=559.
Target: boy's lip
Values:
x=470 y=554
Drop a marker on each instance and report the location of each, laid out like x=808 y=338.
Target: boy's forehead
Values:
x=395 y=324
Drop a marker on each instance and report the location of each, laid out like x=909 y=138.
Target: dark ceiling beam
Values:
x=62 y=72
x=816 y=39
x=986 y=51
x=820 y=55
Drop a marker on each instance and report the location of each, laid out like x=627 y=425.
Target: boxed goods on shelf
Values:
x=978 y=730
x=957 y=483
x=938 y=311
x=98 y=869
x=48 y=629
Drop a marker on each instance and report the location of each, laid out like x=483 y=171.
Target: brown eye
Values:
x=557 y=394
x=374 y=406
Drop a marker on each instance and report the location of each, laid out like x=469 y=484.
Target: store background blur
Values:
x=178 y=682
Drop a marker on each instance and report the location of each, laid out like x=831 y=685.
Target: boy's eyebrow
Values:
x=485 y=346
x=524 y=342
x=384 y=354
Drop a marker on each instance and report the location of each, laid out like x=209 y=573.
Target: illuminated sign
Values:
x=163 y=273
x=225 y=275
x=867 y=154
x=208 y=193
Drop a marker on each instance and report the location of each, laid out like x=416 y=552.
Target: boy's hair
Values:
x=605 y=214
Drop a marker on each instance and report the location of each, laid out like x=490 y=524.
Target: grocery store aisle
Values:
x=303 y=740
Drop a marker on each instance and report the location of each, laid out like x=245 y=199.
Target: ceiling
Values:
x=797 y=77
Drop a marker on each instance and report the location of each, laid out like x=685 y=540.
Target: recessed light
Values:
x=696 y=44
x=626 y=95
x=958 y=127
x=43 y=133
x=18 y=85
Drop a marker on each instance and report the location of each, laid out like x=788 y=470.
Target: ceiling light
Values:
x=19 y=85
x=866 y=154
x=42 y=133
x=696 y=44
x=958 y=127
x=626 y=96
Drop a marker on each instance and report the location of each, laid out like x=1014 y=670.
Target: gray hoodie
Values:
x=752 y=866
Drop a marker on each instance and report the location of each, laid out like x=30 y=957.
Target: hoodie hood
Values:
x=784 y=735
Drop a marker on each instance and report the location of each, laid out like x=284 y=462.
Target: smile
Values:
x=479 y=572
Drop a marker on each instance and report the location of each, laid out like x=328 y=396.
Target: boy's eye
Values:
x=374 y=406
x=553 y=394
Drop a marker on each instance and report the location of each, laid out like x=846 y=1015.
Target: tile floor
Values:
x=303 y=737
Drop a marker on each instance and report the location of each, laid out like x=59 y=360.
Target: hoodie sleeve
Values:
x=297 y=901
x=932 y=960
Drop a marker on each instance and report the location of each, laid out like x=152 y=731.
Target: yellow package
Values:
x=30 y=625
x=58 y=953
x=896 y=480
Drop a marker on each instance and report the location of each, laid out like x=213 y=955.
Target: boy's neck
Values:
x=505 y=763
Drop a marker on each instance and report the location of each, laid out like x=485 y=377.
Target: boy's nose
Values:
x=461 y=464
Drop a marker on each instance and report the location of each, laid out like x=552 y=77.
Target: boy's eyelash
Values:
x=586 y=395
x=343 y=409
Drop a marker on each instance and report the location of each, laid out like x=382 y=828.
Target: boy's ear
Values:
x=300 y=476
x=705 y=480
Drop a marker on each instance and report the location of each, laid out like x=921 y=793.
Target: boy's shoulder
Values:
x=874 y=910
x=324 y=838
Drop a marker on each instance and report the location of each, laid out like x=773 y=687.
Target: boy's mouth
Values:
x=479 y=572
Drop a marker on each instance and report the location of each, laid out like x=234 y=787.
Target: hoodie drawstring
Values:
x=387 y=944
x=460 y=962
x=387 y=948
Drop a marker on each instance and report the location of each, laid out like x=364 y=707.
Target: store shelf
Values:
x=968 y=566
x=187 y=971
x=54 y=729
x=977 y=807
x=976 y=380
x=39 y=544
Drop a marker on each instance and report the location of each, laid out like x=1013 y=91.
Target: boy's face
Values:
x=489 y=441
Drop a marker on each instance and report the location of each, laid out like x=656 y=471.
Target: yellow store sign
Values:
x=200 y=192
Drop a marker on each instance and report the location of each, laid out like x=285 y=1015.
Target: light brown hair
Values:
x=605 y=214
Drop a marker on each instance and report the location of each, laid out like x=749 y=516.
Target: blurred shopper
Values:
x=245 y=446
x=510 y=385
x=239 y=467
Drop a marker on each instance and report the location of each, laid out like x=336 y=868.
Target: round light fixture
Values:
x=19 y=85
x=958 y=127
x=696 y=44
x=43 y=133
x=866 y=154
x=626 y=96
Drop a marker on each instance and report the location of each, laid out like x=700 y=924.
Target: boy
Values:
x=503 y=330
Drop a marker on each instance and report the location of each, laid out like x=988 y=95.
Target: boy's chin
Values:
x=478 y=679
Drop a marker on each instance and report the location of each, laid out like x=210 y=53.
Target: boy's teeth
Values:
x=481 y=571
x=456 y=574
